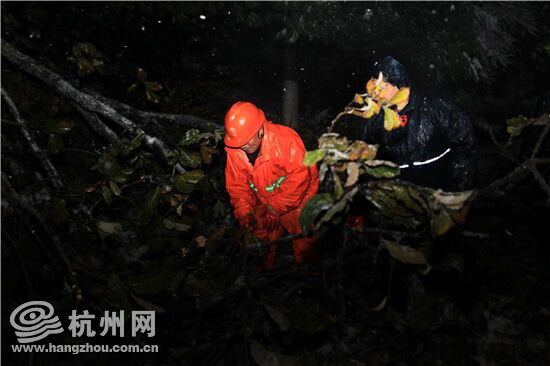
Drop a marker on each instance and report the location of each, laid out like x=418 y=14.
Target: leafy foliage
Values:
x=413 y=208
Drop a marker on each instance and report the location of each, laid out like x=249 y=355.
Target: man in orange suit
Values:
x=265 y=178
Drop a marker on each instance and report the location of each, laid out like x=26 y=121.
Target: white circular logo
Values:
x=34 y=320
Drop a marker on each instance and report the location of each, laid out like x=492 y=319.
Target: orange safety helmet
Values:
x=242 y=121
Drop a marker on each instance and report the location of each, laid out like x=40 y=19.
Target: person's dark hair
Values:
x=394 y=73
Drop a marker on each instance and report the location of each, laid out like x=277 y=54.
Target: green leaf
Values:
x=314 y=207
x=382 y=171
x=153 y=85
x=404 y=254
x=120 y=178
x=517 y=124
x=171 y=225
x=149 y=207
x=191 y=137
x=63 y=126
x=151 y=96
x=106 y=192
x=114 y=188
x=185 y=183
x=189 y=159
x=132 y=88
x=55 y=144
x=312 y=157
x=135 y=143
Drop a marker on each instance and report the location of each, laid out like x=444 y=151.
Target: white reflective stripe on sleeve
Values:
x=427 y=161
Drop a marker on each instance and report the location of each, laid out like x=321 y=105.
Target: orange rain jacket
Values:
x=278 y=178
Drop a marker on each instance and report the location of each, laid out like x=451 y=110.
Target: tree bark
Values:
x=51 y=172
x=87 y=101
x=157 y=118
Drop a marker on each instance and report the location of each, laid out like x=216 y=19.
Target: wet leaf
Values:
x=191 y=137
x=353 y=174
x=106 y=192
x=206 y=154
x=135 y=143
x=358 y=99
x=336 y=212
x=517 y=124
x=55 y=144
x=62 y=126
x=120 y=178
x=382 y=171
x=171 y=225
x=149 y=207
x=333 y=141
x=403 y=253
x=313 y=208
x=312 y=157
x=185 y=183
x=151 y=96
x=189 y=159
x=441 y=223
x=114 y=188
x=401 y=96
x=391 y=119
x=153 y=86
x=132 y=88
x=109 y=166
x=106 y=229
x=454 y=201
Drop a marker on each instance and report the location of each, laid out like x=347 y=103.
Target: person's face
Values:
x=254 y=143
x=385 y=92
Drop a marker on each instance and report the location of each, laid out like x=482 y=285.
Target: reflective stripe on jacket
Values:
x=278 y=177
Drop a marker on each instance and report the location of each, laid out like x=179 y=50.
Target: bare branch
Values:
x=16 y=200
x=51 y=172
x=87 y=101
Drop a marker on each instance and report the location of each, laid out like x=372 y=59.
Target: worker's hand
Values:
x=248 y=222
x=272 y=219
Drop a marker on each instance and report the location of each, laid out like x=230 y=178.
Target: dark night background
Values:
x=122 y=231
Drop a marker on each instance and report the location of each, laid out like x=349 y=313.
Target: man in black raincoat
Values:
x=435 y=144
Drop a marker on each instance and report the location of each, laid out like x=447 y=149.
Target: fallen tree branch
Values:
x=155 y=117
x=87 y=101
x=540 y=179
x=16 y=200
x=512 y=178
x=51 y=172
x=543 y=118
x=93 y=120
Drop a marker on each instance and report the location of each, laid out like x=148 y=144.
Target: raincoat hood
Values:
x=394 y=73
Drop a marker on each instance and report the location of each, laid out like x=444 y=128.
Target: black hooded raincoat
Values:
x=435 y=145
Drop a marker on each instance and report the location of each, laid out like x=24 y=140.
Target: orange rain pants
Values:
x=278 y=179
